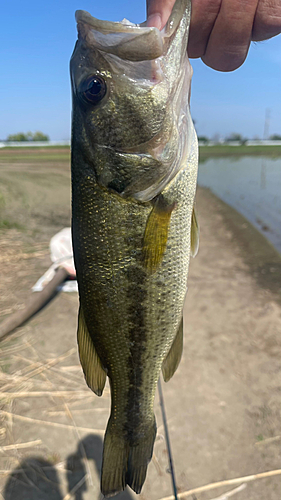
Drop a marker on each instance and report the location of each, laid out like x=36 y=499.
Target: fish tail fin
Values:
x=114 y=462
x=139 y=457
x=125 y=463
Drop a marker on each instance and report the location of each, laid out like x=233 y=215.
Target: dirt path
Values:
x=223 y=404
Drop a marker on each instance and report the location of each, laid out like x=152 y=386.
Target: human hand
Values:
x=221 y=30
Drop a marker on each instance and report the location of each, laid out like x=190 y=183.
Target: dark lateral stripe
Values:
x=136 y=294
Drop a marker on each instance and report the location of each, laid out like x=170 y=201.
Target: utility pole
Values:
x=266 y=123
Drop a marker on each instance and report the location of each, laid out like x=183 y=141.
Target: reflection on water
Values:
x=252 y=185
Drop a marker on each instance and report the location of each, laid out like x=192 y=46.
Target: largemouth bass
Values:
x=134 y=171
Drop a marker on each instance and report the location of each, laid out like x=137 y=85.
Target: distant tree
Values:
x=39 y=136
x=20 y=137
x=29 y=136
x=235 y=137
x=275 y=137
x=203 y=138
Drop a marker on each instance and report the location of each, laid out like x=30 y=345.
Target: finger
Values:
x=158 y=12
x=230 y=39
x=203 y=17
x=267 y=22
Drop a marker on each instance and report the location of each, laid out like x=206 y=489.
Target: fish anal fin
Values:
x=194 y=234
x=172 y=360
x=156 y=235
x=94 y=373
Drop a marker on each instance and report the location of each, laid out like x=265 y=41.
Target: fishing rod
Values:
x=161 y=398
x=167 y=439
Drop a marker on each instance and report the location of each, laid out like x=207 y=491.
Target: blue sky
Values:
x=37 y=39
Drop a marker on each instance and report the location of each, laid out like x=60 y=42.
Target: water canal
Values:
x=252 y=185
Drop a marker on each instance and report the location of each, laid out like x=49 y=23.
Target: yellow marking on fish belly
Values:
x=156 y=235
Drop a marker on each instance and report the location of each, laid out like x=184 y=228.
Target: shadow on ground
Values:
x=36 y=478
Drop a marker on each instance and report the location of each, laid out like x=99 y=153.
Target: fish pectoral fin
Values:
x=172 y=360
x=194 y=234
x=156 y=234
x=94 y=373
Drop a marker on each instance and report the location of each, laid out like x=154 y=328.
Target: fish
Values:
x=134 y=166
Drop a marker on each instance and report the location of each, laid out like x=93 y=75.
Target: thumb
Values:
x=158 y=12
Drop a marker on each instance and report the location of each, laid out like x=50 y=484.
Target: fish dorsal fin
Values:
x=194 y=234
x=172 y=360
x=93 y=371
x=156 y=234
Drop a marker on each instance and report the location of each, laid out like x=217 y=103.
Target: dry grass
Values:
x=44 y=370
x=23 y=384
x=27 y=382
x=17 y=446
x=36 y=394
x=227 y=482
x=231 y=493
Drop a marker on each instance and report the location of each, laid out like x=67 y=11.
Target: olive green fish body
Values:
x=133 y=196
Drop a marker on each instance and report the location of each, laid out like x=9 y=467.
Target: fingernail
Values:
x=154 y=21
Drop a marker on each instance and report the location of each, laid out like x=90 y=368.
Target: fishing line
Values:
x=165 y=423
x=167 y=438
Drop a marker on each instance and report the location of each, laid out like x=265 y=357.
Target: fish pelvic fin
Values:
x=156 y=234
x=125 y=462
x=194 y=234
x=93 y=371
x=172 y=360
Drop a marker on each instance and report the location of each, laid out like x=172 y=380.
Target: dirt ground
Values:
x=223 y=404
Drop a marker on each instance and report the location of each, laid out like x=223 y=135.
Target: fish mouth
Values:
x=133 y=42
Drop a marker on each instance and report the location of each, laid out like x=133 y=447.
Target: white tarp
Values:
x=61 y=256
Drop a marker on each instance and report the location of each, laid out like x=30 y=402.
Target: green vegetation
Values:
x=20 y=137
x=2 y=202
x=8 y=224
x=7 y=147
x=234 y=137
x=203 y=138
x=38 y=157
x=32 y=154
x=260 y=437
x=29 y=136
x=223 y=150
x=4 y=222
x=275 y=137
x=62 y=153
x=5 y=365
x=34 y=191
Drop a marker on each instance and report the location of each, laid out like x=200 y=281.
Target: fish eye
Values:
x=92 y=90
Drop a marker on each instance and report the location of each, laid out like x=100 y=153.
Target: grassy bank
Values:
x=62 y=153
x=33 y=154
x=220 y=151
x=34 y=190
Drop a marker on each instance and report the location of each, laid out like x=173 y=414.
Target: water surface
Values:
x=252 y=185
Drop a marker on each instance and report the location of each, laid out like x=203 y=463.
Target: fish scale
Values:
x=132 y=217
